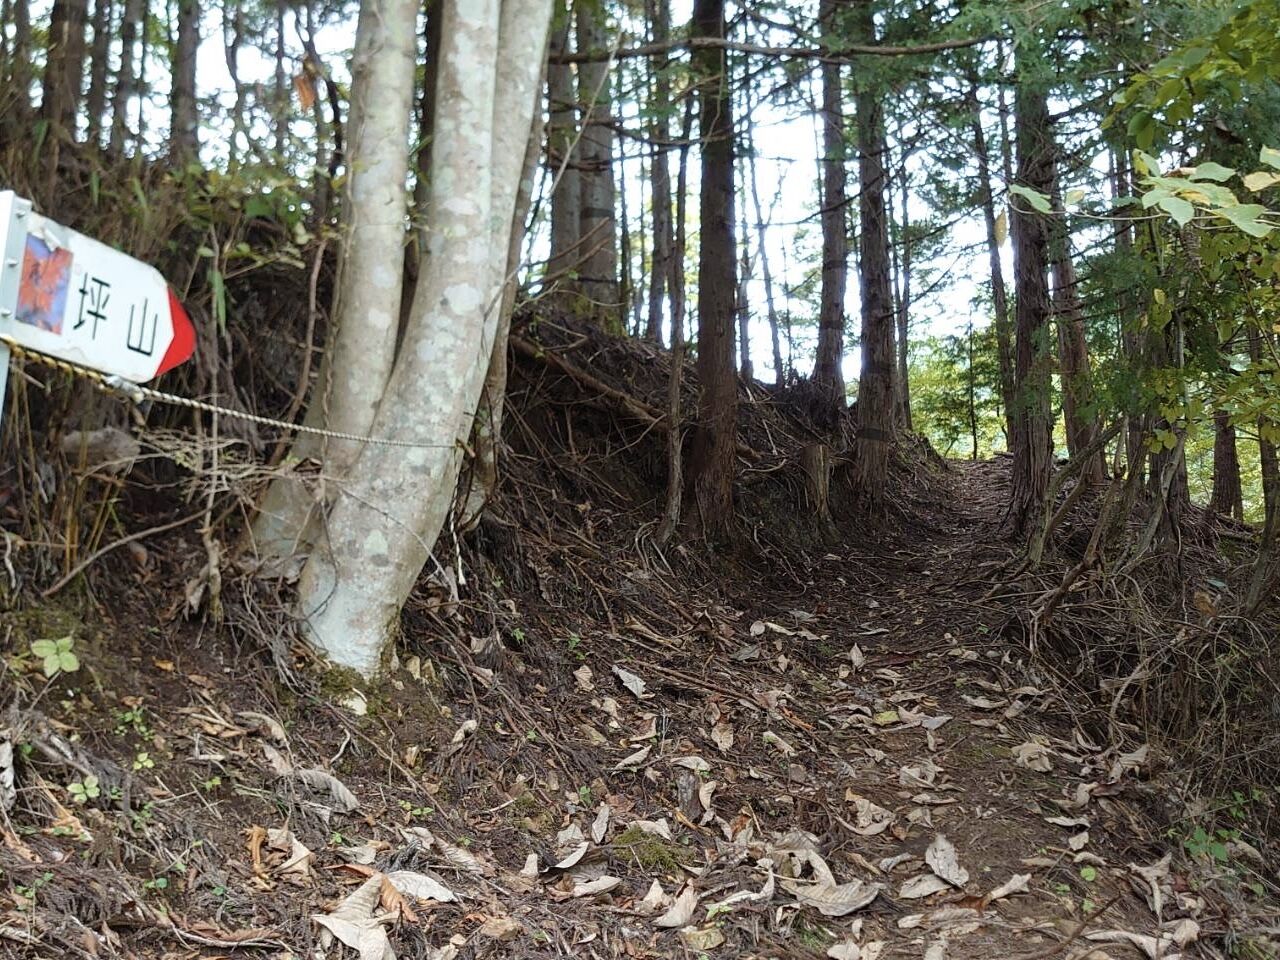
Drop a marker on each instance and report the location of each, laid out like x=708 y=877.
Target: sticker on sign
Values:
x=69 y=296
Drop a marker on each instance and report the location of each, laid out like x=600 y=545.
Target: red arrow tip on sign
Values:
x=183 y=343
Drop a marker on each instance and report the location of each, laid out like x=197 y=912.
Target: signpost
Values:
x=71 y=297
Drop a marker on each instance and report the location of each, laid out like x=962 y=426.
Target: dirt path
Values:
x=840 y=760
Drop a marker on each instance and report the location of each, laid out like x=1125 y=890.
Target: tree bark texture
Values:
x=597 y=223
x=714 y=440
x=875 y=384
x=828 y=375
x=1030 y=415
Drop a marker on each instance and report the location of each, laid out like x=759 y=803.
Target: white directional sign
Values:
x=66 y=295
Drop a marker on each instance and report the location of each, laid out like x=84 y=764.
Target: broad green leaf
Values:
x=1212 y=171
x=1179 y=209
x=1271 y=157
x=1002 y=227
x=1152 y=197
x=1261 y=180
x=1037 y=199
x=1246 y=217
x=1145 y=164
x=1075 y=196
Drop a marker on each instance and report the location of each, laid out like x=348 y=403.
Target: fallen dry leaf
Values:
x=1033 y=756
x=922 y=886
x=681 y=911
x=353 y=922
x=833 y=900
x=941 y=857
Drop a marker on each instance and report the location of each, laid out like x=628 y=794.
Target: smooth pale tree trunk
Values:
x=658 y=13
x=482 y=477
x=715 y=437
x=395 y=501
x=875 y=384
x=563 y=160
x=828 y=375
x=997 y=226
x=1032 y=437
x=64 y=68
x=184 y=140
x=99 y=53
x=597 y=220
x=366 y=307
x=1227 y=498
x=134 y=11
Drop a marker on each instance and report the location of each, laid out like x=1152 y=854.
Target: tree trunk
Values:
x=184 y=142
x=658 y=14
x=232 y=39
x=597 y=223
x=134 y=13
x=675 y=436
x=1262 y=580
x=715 y=438
x=902 y=386
x=563 y=160
x=64 y=69
x=20 y=71
x=487 y=431
x=1073 y=355
x=396 y=499
x=999 y=294
x=367 y=295
x=745 y=370
x=1227 y=496
x=828 y=375
x=779 y=372
x=100 y=53
x=875 y=383
x=1031 y=435
x=280 y=95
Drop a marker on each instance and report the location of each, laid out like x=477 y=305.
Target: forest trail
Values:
x=843 y=760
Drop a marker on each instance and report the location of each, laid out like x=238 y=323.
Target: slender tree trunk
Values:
x=563 y=161
x=64 y=68
x=598 y=225
x=715 y=439
x=486 y=433
x=20 y=72
x=779 y=371
x=1073 y=355
x=875 y=383
x=658 y=14
x=280 y=95
x=1262 y=580
x=973 y=397
x=100 y=52
x=1227 y=497
x=134 y=12
x=1030 y=416
x=396 y=499
x=828 y=375
x=184 y=141
x=675 y=436
x=367 y=298
x=232 y=39
x=996 y=225
x=420 y=216
x=745 y=369
x=903 y=383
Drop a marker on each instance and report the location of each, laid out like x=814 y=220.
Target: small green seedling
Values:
x=82 y=791
x=57 y=655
